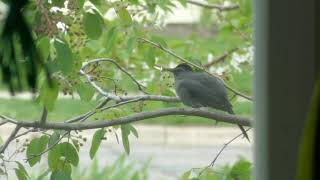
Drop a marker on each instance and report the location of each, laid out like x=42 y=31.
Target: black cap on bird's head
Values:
x=181 y=68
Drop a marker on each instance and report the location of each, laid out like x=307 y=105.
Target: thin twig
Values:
x=194 y=65
x=215 y=6
x=10 y=138
x=219 y=153
x=220 y=58
x=140 y=86
x=7 y=119
x=109 y=107
x=79 y=118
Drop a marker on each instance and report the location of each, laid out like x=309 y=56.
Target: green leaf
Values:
x=22 y=169
x=95 y=2
x=96 y=141
x=124 y=16
x=183 y=3
x=208 y=174
x=241 y=170
x=65 y=151
x=85 y=91
x=44 y=47
x=64 y=57
x=132 y=42
x=20 y=174
x=43 y=175
x=2 y=172
x=54 y=138
x=58 y=3
x=110 y=38
x=48 y=95
x=36 y=146
x=133 y=130
x=125 y=131
x=150 y=57
x=60 y=175
x=93 y=24
x=159 y=40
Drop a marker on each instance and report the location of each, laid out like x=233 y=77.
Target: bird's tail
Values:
x=244 y=132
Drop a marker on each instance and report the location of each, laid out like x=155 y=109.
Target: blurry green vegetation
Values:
x=120 y=169
x=240 y=170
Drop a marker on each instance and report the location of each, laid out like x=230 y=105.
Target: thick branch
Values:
x=142 y=116
x=10 y=138
x=215 y=6
x=194 y=65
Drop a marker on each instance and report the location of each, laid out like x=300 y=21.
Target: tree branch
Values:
x=140 y=86
x=10 y=138
x=223 y=147
x=142 y=116
x=221 y=58
x=194 y=65
x=6 y=119
x=215 y=6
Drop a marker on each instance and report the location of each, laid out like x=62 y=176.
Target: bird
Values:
x=199 y=89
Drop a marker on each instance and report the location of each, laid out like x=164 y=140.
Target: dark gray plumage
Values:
x=199 y=89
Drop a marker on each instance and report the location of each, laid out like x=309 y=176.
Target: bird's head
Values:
x=180 y=69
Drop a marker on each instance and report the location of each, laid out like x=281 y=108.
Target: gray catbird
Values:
x=199 y=89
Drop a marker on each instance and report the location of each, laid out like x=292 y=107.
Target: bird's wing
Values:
x=196 y=94
x=215 y=84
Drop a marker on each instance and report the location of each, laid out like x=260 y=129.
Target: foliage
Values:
x=121 y=168
x=69 y=33
x=241 y=169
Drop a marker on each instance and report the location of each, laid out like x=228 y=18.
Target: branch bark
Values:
x=10 y=138
x=215 y=6
x=141 y=116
